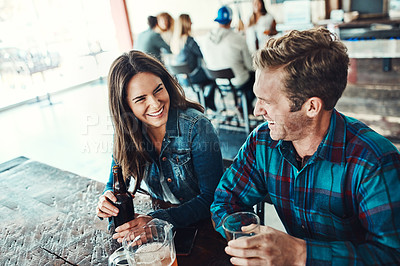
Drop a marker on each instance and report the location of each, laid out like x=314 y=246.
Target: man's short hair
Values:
x=152 y=22
x=316 y=65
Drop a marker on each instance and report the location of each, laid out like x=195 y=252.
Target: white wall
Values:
x=204 y=12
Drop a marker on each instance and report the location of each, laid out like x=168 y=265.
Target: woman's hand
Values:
x=105 y=208
x=123 y=229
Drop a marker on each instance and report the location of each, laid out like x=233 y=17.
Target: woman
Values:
x=261 y=26
x=186 y=49
x=165 y=26
x=163 y=139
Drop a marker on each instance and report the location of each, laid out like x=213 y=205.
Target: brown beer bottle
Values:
x=124 y=199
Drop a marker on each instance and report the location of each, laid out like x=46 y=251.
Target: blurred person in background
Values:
x=224 y=48
x=260 y=28
x=163 y=140
x=186 y=49
x=150 y=41
x=165 y=26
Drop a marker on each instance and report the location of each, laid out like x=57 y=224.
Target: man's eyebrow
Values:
x=261 y=98
x=141 y=96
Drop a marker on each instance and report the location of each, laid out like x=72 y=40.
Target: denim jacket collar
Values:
x=172 y=129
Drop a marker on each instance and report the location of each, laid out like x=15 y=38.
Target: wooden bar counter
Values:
x=48 y=218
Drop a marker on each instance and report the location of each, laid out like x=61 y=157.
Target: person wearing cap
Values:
x=225 y=48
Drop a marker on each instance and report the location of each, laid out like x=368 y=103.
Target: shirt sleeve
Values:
x=241 y=186
x=208 y=168
x=194 y=47
x=162 y=44
x=378 y=202
x=109 y=185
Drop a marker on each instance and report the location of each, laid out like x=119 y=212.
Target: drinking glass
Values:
x=153 y=245
x=118 y=258
x=241 y=224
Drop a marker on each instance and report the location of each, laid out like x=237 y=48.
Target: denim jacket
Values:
x=191 y=162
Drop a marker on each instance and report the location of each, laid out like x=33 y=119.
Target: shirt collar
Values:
x=332 y=147
x=172 y=129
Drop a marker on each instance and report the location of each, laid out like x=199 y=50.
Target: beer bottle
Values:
x=124 y=199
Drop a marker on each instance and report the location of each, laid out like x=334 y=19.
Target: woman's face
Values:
x=256 y=6
x=163 y=23
x=148 y=99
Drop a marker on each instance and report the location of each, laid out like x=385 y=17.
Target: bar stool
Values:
x=185 y=70
x=228 y=75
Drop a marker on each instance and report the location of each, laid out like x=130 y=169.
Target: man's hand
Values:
x=136 y=223
x=269 y=247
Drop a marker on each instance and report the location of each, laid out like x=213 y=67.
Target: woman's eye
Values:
x=158 y=90
x=139 y=100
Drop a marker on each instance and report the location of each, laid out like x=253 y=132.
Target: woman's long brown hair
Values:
x=128 y=150
x=253 y=17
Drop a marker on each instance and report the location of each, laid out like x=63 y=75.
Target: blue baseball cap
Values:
x=224 y=15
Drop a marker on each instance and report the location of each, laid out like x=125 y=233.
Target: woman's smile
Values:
x=158 y=113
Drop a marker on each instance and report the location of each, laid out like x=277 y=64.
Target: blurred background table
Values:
x=48 y=218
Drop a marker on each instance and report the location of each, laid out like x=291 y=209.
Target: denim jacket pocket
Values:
x=182 y=167
x=180 y=158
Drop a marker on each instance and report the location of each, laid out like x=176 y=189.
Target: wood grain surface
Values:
x=48 y=217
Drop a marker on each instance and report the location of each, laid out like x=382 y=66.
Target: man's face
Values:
x=274 y=106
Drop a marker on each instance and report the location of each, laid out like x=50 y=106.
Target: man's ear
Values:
x=313 y=106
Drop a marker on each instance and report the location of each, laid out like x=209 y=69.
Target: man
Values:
x=334 y=181
x=225 y=48
x=150 y=41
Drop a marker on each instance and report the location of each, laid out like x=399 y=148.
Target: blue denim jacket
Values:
x=191 y=162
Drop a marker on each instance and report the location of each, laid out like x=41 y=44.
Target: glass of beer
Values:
x=152 y=244
x=118 y=258
x=241 y=224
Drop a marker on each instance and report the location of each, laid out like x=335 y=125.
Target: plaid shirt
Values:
x=345 y=201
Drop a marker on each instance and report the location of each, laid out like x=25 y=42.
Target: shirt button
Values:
x=169 y=180
x=303 y=226
x=164 y=159
x=180 y=199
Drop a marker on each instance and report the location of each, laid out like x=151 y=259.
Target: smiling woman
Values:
x=162 y=139
x=149 y=102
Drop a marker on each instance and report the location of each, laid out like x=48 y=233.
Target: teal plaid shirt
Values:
x=345 y=201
